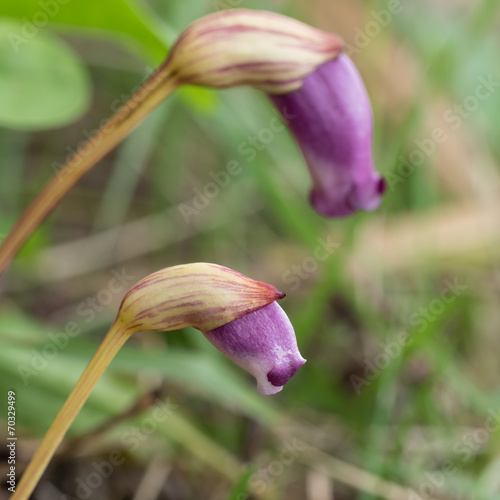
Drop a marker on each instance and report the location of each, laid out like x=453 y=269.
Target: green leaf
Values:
x=42 y=83
x=240 y=489
x=125 y=20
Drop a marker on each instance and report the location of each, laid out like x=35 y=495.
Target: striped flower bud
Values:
x=310 y=80
x=269 y=51
x=238 y=315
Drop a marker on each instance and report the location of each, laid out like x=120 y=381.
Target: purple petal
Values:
x=331 y=119
x=263 y=343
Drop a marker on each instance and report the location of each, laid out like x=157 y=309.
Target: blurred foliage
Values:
x=121 y=21
x=426 y=403
x=44 y=86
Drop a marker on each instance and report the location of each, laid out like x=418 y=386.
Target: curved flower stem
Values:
x=114 y=339
x=153 y=91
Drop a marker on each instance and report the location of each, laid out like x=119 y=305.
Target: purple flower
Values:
x=307 y=76
x=237 y=314
x=263 y=343
x=333 y=124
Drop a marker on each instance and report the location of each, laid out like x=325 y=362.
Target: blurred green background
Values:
x=399 y=398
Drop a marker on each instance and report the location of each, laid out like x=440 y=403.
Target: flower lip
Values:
x=263 y=343
x=280 y=376
x=370 y=198
x=381 y=186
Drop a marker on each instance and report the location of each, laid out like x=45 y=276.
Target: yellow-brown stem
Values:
x=110 y=345
x=154 y=90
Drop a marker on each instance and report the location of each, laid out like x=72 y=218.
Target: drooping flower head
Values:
x=307 y=77
x=238 y=315
x=333 y=126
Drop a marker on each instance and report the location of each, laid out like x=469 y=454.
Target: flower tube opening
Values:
x=263 y=343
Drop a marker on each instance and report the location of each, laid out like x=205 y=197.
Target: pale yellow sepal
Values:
x=204 y=296
x=246 y=47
